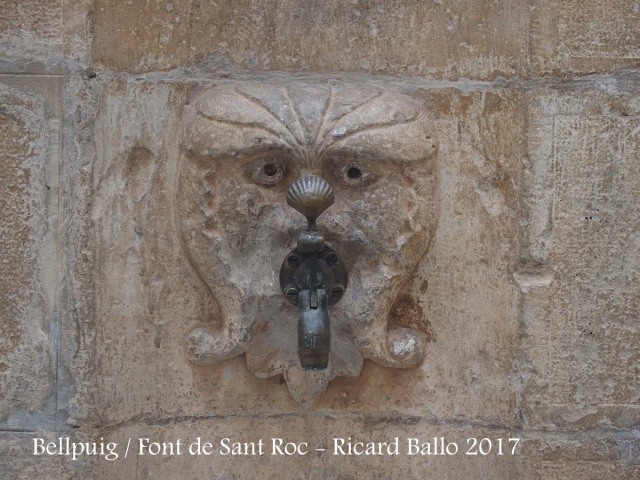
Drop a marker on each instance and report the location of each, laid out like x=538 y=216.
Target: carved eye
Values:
x=354 y=174
x=267 y=171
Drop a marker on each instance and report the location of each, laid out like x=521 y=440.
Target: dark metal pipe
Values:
x=312 y=276
x=314 y=330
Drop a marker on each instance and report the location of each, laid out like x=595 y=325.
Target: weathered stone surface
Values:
x=459 y=39
x=470 y=324
x=535 y=456
x=527 y=299
x=318 y=431
x=135 y=175
x=594 y=36
x=18 y=462
x=31 y=33
x=582 y=294
x=599 y=453
x=27 y=237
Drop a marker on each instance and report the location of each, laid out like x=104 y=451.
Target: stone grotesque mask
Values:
x=244 y=144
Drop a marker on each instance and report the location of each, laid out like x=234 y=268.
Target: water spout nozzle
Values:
x=314 y=332
x=312 y=276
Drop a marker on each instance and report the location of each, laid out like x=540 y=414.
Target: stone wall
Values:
x=528 y=299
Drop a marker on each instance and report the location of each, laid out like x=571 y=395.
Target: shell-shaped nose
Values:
x=310 y=196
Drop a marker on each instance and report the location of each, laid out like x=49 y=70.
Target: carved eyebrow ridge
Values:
x=274 y=135
x=384 y=111
x=325 y=112
x=297 y=116
x=238 y=124
x=391 y=123
x=322 y=147
x=296 y=146
x=328 y=141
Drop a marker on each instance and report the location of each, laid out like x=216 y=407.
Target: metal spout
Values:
x=312 y=276
x=314 y=331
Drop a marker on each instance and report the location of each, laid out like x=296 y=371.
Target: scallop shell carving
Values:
x=310 y=196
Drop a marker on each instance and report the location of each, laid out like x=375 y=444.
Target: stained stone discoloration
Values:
x=407 y=311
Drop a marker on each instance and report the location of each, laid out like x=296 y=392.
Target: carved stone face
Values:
x=244 y=145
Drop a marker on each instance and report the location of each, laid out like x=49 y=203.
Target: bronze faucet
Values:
x=312 y=276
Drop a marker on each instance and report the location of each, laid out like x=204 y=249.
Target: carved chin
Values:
x=358 y=331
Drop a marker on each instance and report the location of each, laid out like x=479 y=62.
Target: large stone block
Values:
x=591 y=37
x=29 y=149
x=18 y=461
x=453 y=39
x=580 y=276
x=31 y=34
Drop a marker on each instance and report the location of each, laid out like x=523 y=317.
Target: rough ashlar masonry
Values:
x=527 y=299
